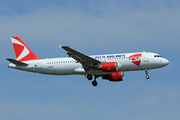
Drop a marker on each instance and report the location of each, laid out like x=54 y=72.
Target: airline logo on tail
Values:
x=136 y=59
x=22 y=51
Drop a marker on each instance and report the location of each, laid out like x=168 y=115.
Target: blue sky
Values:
x=91 y=27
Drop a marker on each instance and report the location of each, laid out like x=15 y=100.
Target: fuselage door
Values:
x=145 y=57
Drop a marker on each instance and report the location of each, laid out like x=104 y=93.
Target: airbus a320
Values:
x=110 y=66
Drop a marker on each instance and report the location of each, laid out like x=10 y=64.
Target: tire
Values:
x=89 y=77
x=147 y=77
x=94 y=83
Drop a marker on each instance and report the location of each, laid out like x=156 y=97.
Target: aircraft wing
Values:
x=85 y=60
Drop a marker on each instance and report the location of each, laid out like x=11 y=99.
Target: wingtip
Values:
x=60 y=46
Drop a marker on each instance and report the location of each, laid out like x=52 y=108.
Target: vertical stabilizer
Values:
x=22 y=51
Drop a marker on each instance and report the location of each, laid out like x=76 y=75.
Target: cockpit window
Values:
x=157 y=56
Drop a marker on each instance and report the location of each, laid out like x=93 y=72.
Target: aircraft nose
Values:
x=165 y=62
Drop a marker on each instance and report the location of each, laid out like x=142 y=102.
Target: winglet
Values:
x=60 y=46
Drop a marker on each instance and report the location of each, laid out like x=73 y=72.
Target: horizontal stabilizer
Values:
x=16 y=62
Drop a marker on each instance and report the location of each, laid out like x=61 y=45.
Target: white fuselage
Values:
x=68 y=66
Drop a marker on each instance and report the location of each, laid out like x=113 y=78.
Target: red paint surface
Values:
x=18 y=49
x=136 y=59
x=108 y=67
x=118 y=76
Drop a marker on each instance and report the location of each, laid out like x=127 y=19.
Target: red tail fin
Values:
x=22 y=51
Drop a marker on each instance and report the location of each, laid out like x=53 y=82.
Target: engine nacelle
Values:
x=109 y=67
x=115 y=77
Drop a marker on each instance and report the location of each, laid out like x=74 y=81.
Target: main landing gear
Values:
x=94 y=82
x=147 y=76
x=89 y=77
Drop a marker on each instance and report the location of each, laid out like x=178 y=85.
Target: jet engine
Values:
x=115 y=77
x=108 y=67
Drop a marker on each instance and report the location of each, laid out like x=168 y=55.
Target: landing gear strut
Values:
x=94 y=82
x=147 y=76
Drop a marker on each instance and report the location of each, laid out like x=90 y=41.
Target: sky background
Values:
x=91 y=27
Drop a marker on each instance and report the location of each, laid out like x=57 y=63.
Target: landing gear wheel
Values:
x=147 y=77
x=89 y=77
x=94 y=83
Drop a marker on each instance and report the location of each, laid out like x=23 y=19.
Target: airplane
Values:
x=108 y=66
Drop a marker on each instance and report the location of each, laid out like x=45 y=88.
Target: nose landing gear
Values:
x=147 y=76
